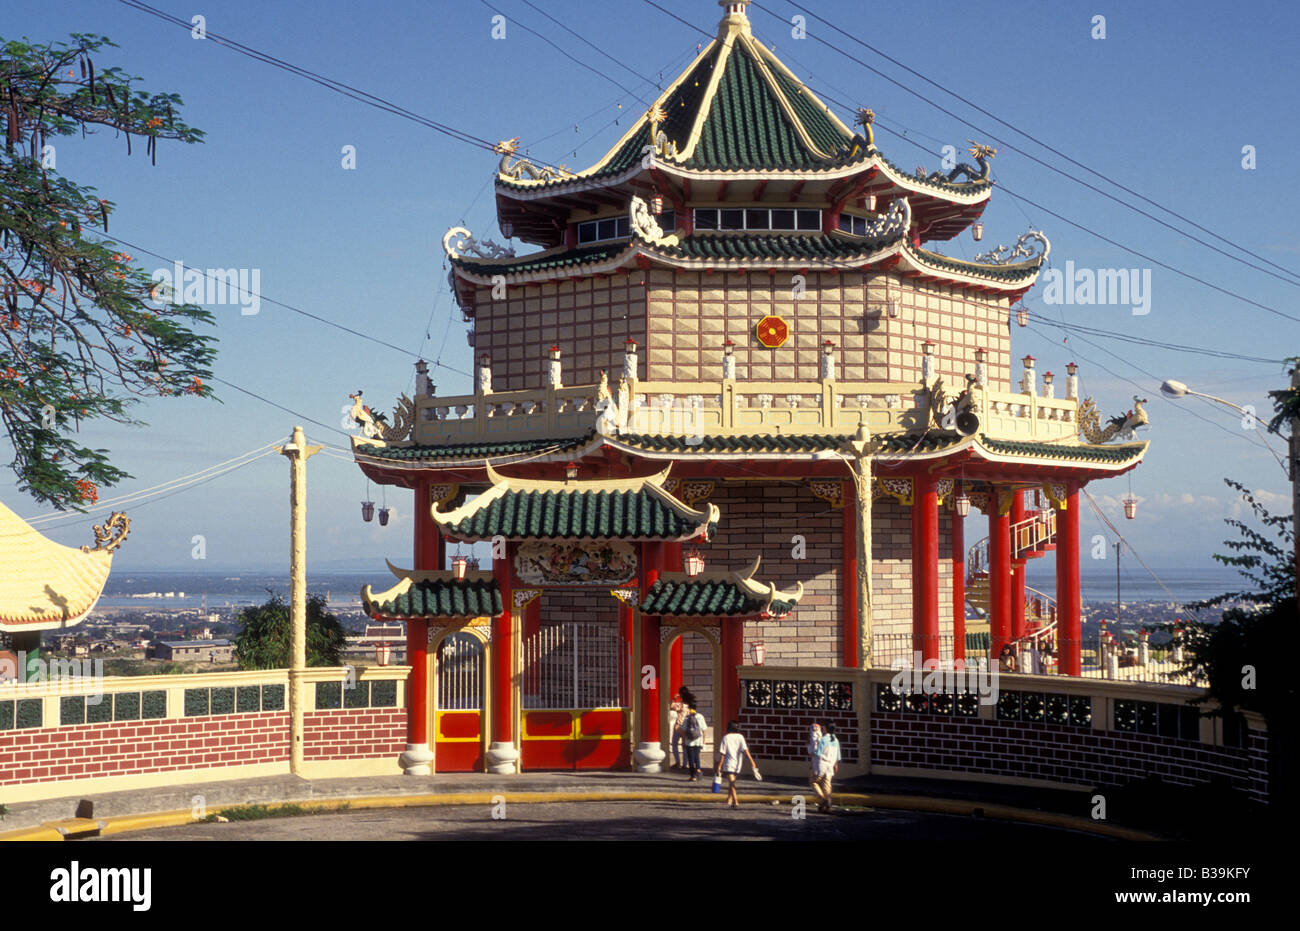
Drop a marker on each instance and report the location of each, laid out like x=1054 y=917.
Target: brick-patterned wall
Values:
x=356 y=734
x=697 y=673
x=774 y=734
x=589 y=319
x=85 y=751
x=1059 y=753
x=561 y=605
x=691 y=314
x=759 y=519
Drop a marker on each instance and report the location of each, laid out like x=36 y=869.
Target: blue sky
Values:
x=1164 y=105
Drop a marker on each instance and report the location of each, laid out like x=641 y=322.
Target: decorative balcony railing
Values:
x=729 y=407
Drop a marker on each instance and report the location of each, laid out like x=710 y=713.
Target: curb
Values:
x=123 y=824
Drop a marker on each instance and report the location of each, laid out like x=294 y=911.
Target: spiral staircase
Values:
x=1030 y=538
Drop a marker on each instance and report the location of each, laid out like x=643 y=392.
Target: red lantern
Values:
x=694 y=563
x=1130 y=507
x=383 y=653
x=759 y=651
x=962 y=504
x=657 y=204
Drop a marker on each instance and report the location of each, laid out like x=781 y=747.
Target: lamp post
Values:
x=1176 y=389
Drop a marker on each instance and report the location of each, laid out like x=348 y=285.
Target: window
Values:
x=757 y=218
x=601 y=230
x=855 y=225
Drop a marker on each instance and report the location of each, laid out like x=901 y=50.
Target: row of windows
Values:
x=780 y=219
x=757 y=218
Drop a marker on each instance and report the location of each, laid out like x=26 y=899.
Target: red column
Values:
x=427 y=546
x=958 y=586
x=1069 y=631
x=999 y=576
x=733 y=655
x=849 y=579
x=503 y=648
x=925 y=567
x=672 y=562
x=675 y=667
x=1017 y=570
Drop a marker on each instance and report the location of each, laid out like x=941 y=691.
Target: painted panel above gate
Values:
x=596 y=563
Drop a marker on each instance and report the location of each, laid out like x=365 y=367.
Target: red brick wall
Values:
x=778 y=734
x=84 y=751
x=354 y=734
x=1059 y=753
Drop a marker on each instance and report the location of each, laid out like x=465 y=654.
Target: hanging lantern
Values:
x=977 y=231
x=1022 y=315
x=694 y=563
x=383 y=517
x=508 y=229
x=458 y=567
x=367 y=511
x=571 y=471
x=758 y=649
x=962 y=504
x=383 y=653
x=657 y=204
x=1130 y=506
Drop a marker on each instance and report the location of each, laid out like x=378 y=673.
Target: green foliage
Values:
x=84 y=333
x=259 y=812
x=1286 y=402
x=263 y=641
x=1264 y=557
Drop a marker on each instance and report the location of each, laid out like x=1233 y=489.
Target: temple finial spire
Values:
x=734 y=16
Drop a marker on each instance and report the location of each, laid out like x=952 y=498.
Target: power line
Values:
x=1032 y=157
x=339 y=87
x=297 y=310
x=1039 y=142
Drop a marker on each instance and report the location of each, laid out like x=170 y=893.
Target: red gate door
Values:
x=575 y=698
x=458 y=711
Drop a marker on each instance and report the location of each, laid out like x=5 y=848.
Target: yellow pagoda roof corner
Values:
x=46 y=585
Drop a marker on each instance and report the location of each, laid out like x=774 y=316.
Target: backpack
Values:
x=691 y=727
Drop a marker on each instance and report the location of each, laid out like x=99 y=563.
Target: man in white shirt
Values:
x=693 y=740
x=730 y=749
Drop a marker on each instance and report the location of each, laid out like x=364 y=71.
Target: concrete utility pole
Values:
x=1293 y=468
x=298 y=452
x=860 y=450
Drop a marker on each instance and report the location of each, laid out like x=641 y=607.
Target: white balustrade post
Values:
x=927 y=361
x=629 y=359
x=1072 y=382
x=553 y=379
x=1029 y=381
x=981 y=368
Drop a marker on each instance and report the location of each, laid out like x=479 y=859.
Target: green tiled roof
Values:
x=778 y=443
x=759 y=247
x=746 y=128
x=595 y=515
x=706 y=598
x=544 y=262
x=467 y=450
x=818 y=246
x=1016 y=272
x=1122 y=452
x=443 y=598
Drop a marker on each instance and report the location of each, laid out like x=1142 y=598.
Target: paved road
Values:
x=610 y=820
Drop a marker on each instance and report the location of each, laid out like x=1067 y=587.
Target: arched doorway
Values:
x=700 y=671
x=458 y=712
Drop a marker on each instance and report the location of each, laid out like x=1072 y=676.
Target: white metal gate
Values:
x=460 y=673
x=575 y=664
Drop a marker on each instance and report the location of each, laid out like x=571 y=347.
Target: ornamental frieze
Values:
x=545 y=562
x=831 y=491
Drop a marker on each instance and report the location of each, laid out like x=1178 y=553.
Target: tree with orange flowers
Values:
x=84 y=335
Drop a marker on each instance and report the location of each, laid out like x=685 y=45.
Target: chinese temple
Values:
x=733 y=407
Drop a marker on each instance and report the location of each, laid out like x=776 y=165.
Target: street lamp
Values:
x=1176 y=389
